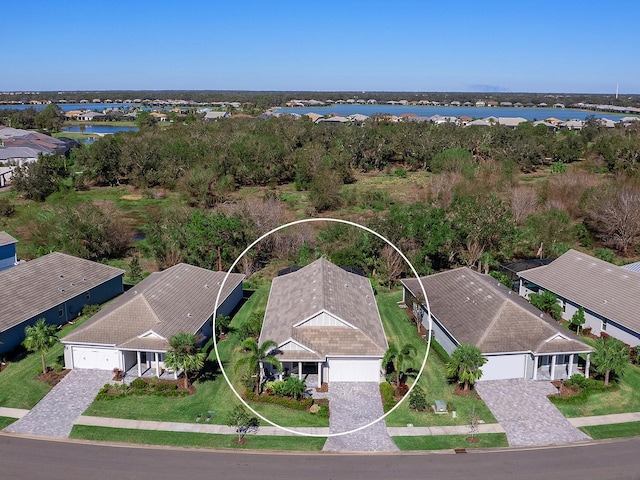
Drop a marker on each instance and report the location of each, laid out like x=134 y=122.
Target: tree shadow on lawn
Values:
x=209 y=371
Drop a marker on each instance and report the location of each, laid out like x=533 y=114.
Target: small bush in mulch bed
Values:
x=578 y=389
x=143 y=386
x=52 y=377
x=461 y=392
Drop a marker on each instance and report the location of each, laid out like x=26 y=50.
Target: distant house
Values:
x=133 y=332
x=511 y=122
x=610 y=295
x=326 y=324
x=55 y=287
x=572 y=125
x=480 y=104
x=506 y=104
x=517 y=339
x=8 y=257
x=214 y=115
x=89 y=116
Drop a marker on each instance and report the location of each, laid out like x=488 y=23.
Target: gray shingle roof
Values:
x=323 y=287
x=599 y=286
x=478 y=310
x=31 y=288
x=179 y=299
x=6 y=239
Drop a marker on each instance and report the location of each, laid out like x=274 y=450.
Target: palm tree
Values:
x=399 y=361
x=257 y=356
x=465 y=364
x=40 y=337
x=184 y=355
x=611 y=355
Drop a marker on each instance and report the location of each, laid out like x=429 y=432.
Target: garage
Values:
x=94 y=357
x=501 y=367
x=354 y=369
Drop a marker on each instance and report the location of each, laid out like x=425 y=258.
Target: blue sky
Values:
x=454 y=45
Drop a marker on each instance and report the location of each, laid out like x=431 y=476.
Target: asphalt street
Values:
x=36 y=459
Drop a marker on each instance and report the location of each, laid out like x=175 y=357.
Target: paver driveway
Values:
x=526 y=414
x=55 y=414
x=353 y=405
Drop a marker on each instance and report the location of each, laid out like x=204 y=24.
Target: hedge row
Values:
x=161 y=388
x=286 y=402
x=439 y=351
x=584 y=394
x=387 y=392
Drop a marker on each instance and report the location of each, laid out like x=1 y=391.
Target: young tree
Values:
x=547 y=302
x=40 y=338
x=465 y=364
x=611 y=356
x=135 y=271
x=242 y=421
x=258 y=355
x=399 y=361
x=578 y=319
x=389 y=264
x=184 y=355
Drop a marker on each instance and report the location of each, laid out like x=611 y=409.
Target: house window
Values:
x=88 y=296
x=60 y=312
x=604 y=326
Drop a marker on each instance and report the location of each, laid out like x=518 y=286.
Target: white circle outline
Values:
x=287 y=225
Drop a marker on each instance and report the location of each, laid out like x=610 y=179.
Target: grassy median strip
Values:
x=188 y=439
x=614 y=430
x=6 y=421
x=449 y=442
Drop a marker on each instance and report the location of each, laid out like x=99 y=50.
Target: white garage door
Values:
x=354 y=370
x=503 y=367
x=98 y=358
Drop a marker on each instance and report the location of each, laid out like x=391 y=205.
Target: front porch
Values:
x=145 y=365
x=560 y=366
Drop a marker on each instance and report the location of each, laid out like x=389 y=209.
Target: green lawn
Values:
x=18 y=386
x=614 y=430
x=212 y=392
x=6 y=421
x=400 y=330
x=624 y=399
x=188 y=439
x=446 y=442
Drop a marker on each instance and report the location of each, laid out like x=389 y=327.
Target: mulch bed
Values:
x=52 y=378
x=324 y=388
x=565 y=391
x=460 y=391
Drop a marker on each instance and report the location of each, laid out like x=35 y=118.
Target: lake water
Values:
x=473 y=112
x=102 y=129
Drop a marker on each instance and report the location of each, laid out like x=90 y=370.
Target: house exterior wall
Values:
x=63 y=313
x=592 y=320
x=505 y=366
x=7 y=256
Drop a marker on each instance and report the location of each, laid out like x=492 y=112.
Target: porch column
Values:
x=157 y=359
x=570 y=370
x=319 y=374
x=535 y=367
x=299 y=370
x=553 y=367
x=139 y=368
x=587 y=365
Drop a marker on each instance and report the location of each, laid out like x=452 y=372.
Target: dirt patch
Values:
x=131 y=196
x=324 y=388
x=564 y=391
x=52 y=378
x=461 y=392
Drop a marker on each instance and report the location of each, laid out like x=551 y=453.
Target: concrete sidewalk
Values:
x=605 y=419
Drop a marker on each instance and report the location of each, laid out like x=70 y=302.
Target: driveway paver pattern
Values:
x=526 y=414
x=56 y=413
x=353 y=405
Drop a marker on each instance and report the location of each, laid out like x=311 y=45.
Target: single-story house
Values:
x=518 y=340
x=609 y=295
x=326 y=325
x=133 y=332
x=55 y=287
x=8 y=257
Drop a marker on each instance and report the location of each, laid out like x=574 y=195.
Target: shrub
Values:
x=138 y=384
x=387 y=392
x=400 y=173
x=417 y=399
x=440 y=351
x=286 y=402
x=7 y=209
